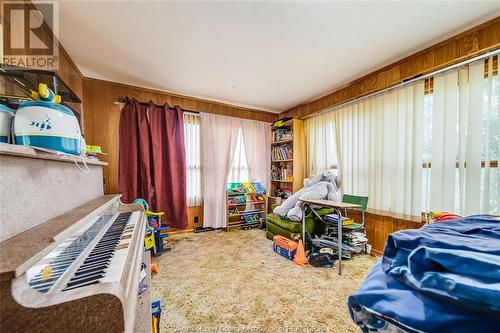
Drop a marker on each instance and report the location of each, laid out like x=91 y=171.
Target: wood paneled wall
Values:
x=102 y=116
x=380 y=224
x=473 y=42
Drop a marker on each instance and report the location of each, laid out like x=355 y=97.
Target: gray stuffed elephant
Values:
x=323 y=186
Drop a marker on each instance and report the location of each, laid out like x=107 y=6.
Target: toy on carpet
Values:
x=284 y=247
x=323 y=257
x=156 y=233
x=323 y=186
x=252 y=220
x=300 y=257
x=156 y=315
x=154 y=268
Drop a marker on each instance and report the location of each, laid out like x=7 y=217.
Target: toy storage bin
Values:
x=232 y=188
x=252 y=217
x=249 y=187
x=259 y=188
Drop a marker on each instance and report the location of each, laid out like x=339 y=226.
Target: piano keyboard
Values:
x=105 y=262
x=63 y=256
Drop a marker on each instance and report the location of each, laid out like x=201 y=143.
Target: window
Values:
x=430 y=146
x=321 y=149
x=193 y=167
x=239 y=169
x=466 y=152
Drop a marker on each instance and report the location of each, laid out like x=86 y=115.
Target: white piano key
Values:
x=114 y=271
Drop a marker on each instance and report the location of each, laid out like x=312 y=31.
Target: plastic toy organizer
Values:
x=246 y=204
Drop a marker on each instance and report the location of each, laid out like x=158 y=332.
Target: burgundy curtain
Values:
x=152 y=159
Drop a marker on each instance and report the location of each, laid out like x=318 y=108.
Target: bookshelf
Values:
x=288 y=157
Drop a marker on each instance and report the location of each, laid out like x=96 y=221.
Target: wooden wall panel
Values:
x=473 y=42
x=102 y=116
x=102 y=119
x=379 y=225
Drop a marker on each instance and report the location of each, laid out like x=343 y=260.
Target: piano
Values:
x=77 y=272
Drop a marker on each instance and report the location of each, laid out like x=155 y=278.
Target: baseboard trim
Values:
x=180 y=231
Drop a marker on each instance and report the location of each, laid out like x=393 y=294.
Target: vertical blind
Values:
x=419 y=147
x=193 y=166
x=465 y=141
x=379 y=145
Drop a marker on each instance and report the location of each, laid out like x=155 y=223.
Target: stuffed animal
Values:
x=323 y=186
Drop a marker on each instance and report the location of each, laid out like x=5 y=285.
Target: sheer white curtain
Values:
x=257 y=145
x=239 y=168
x=193 y=163
x=218 y=142
x=465 y=141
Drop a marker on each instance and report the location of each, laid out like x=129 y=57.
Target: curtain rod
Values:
x=121 y=101
x=407 y=82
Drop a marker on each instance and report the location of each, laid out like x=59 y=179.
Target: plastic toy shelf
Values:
x=246 y=205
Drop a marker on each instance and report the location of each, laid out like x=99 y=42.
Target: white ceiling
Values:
x=266 y=55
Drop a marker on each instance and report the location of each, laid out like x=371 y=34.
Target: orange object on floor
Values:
x=285 y=243
x=154 y=268
x=300 y=257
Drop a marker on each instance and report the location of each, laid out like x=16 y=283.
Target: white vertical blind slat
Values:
x=473 y=141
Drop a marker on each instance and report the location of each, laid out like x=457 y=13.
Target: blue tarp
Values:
x=444 y=276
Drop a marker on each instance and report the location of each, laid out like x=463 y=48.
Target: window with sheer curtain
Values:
x=193 y=166
x=239 y=169
x=432 y=145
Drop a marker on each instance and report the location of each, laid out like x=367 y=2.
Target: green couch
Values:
x=276 y=225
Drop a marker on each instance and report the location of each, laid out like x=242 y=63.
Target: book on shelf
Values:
x=282 y=134
x=283 y=173
x=284 y=152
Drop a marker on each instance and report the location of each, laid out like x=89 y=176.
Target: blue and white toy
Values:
x=47 y=124
x=6 y=115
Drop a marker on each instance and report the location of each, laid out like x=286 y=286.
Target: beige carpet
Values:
x=234 y=282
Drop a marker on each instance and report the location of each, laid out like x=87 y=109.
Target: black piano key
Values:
x=43 y=290
x=97 y=268
x=84 y=280
x=105 y=249
x=91 y=260
x=81 y=285
x=92 y=269
x=66 y=257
